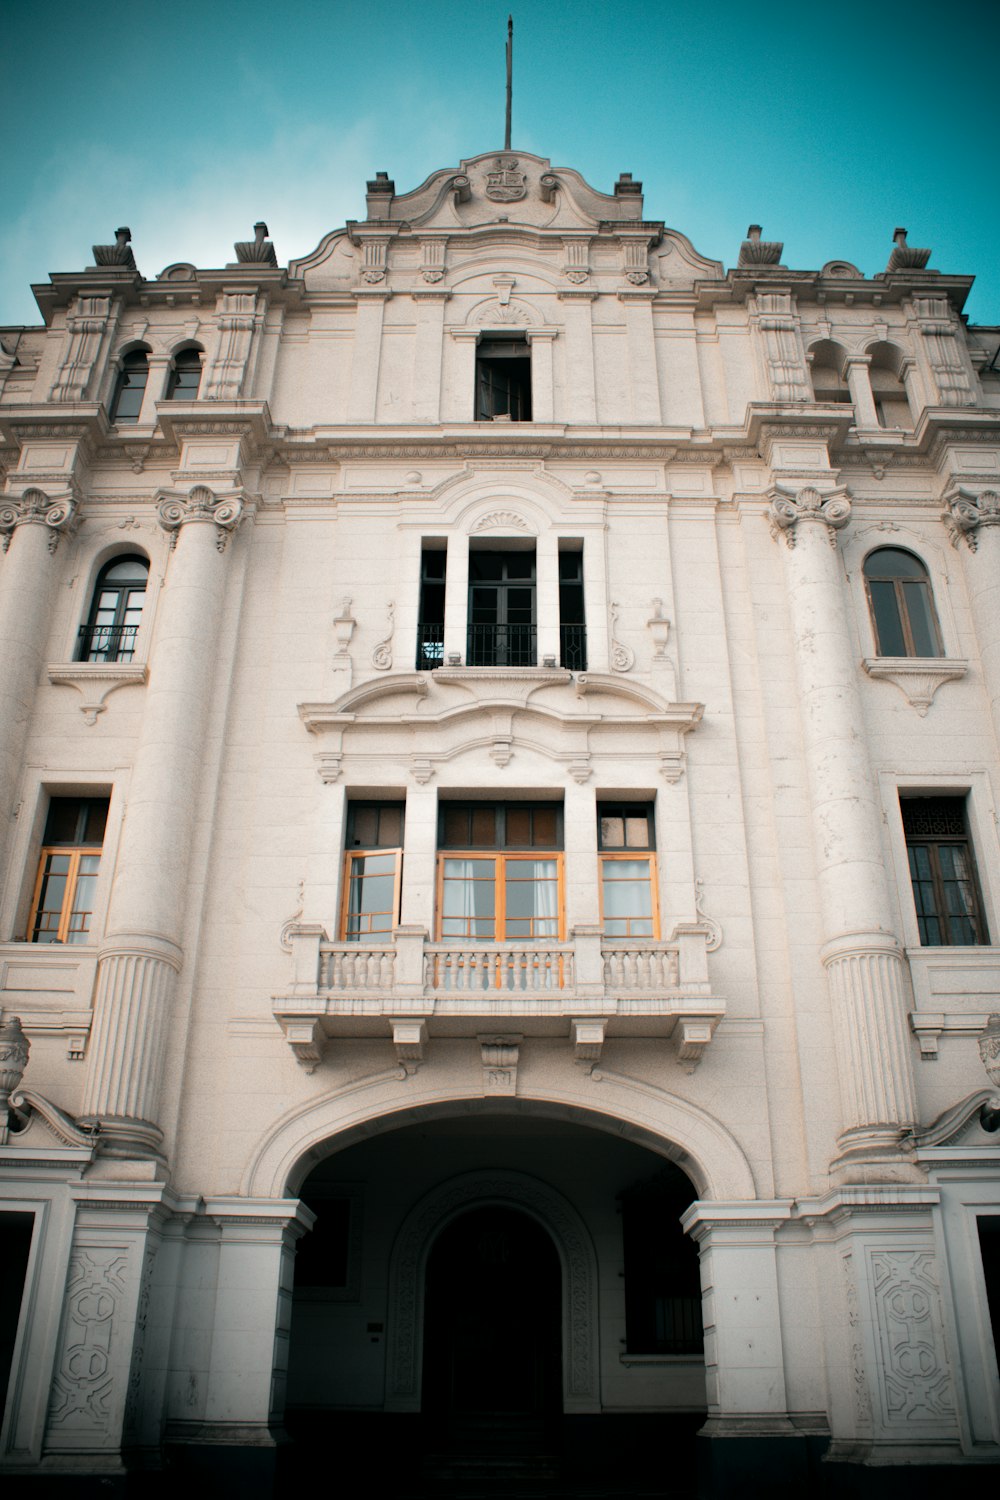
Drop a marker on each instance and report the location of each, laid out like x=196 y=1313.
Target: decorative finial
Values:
x=256 y=252
x=757 y=252
x=906 y=257
x=117 y=254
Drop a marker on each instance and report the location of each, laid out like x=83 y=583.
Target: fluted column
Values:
x=868 y=979
x=975 y=518
x=139 y=962
x=30 y=527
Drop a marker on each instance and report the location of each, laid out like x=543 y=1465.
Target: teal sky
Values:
x=829 y=124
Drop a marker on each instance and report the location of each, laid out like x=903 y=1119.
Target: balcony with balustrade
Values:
x=411 y=990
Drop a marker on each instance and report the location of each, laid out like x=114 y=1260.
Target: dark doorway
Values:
x=493 y=1319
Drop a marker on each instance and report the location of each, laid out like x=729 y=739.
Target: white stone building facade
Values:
x=500 y=717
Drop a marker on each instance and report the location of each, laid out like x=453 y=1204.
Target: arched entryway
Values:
x=468 y=1297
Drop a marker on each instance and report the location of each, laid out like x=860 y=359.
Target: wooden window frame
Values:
x=902 y=606
x=345 y=904
x=633 y=854
x=75 y=853
x=933 y=843
x=500 y=859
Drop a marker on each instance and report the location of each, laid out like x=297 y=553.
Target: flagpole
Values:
x=510 y=69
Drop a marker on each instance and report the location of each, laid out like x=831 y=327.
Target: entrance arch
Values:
x=642 y=1112
x=579 y=1280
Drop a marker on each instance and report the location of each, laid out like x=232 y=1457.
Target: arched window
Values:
x=892 y=406
x=115 y=611
x=902 y=606
x=185 y=375
x=826 y=362
x=130 y=387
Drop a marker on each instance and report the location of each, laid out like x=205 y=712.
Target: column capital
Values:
x=34 y=507
x=792 y=504
x=224 y=511
x=967 y=512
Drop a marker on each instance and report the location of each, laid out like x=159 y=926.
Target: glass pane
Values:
x=456 y=827
x=53 y=894
x=83 y=898
x=532 y=898
x=888 y=627
x=637 y=832
x=469 y=898
x=372 y=895
x=612 y=833
x=893 y=562
x=922 y=626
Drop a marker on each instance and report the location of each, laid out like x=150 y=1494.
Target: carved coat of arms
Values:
x=506 y=184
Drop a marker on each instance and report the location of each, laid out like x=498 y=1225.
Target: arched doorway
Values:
x=492 y=1320
x=472 y=1295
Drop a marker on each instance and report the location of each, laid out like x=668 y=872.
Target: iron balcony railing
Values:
x=573 y=647
x=501 y=646
x=106 y=642
x=430 y=647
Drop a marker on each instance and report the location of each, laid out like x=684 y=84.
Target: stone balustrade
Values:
x=628 y=987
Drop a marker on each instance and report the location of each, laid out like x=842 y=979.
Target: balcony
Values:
x=409 y=989
x=573 y=647
x=430 y=647
x=106 y=643
x=501 y=646
x=50 y=986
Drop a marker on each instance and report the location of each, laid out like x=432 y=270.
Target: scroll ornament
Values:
x=35 y=508
x=832 y=510
x=224 y=511
x=965 y=514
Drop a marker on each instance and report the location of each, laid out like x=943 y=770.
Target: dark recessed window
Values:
x=130 y=387
x=501 y=629
x=943 y=872
x=572 y=621
x=430 y=626
x=185 y=375
x=662 y=1273
x=902 y=606
x=115 y=611
x=503 y=378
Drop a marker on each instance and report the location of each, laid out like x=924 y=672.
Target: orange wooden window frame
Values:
x=74 y=854
x=500 y=888
x=633 y=854
x=349 y=856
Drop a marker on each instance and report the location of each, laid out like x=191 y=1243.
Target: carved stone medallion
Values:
x=506 y=184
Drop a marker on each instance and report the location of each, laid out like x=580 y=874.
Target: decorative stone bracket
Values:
x=94 y=681
x=918 y=678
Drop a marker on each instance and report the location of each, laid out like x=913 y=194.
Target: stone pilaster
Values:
x=775 y=320
x=31 y=524
x=943 y=343
x=89 y=324
x=137 y=968
x=868 y=979
x=973 y=516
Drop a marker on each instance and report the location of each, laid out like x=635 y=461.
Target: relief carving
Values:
x=81 y=1391
x=918 y=1386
